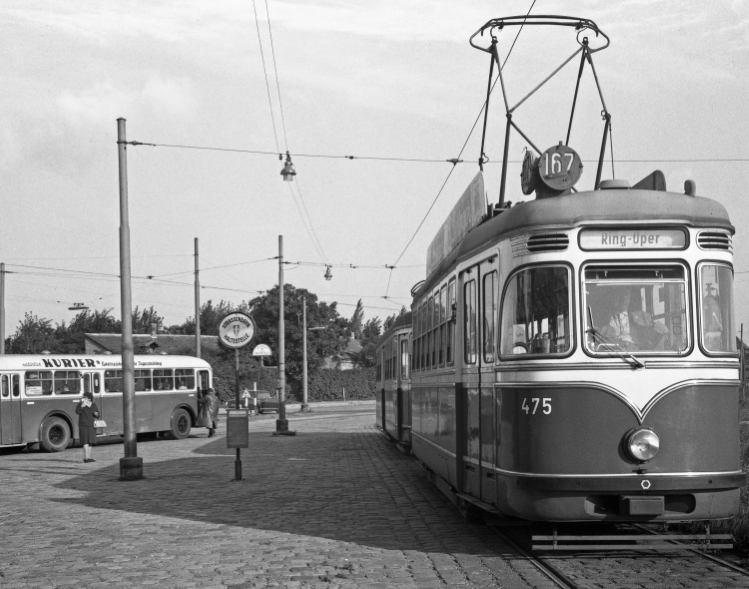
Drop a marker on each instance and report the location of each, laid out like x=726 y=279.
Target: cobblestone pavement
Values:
x=336 y=506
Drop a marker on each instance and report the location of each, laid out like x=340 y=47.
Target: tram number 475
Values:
x=545 y=405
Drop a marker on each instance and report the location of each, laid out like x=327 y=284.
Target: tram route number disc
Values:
x=560 y=167
x=236 y=330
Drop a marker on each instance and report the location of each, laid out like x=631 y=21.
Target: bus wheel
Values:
x=55 y=435
x=181 y=424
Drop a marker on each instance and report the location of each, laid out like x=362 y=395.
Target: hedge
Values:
x=329 y=384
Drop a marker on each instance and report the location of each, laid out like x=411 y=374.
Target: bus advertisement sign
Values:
x=632 y=239
x=236 y=330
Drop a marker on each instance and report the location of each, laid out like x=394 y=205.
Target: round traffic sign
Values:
x=236 y=330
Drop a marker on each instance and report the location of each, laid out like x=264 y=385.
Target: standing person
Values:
x=87 y=412
x=209 y=411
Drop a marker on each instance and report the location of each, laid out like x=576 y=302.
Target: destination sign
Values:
x=633 y=239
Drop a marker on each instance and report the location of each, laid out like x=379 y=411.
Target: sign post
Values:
x=236 y=331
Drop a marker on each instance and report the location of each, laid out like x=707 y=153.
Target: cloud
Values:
x=104 y=102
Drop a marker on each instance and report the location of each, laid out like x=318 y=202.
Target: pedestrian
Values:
x=208 y=414
x=87 y=412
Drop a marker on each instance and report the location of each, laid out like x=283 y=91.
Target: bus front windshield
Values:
x=635 y=308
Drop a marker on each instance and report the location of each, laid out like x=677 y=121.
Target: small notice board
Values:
x=237 y=429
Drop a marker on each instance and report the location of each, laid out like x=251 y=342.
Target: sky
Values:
x=394 y=79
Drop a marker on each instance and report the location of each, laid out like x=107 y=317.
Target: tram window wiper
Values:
x=628 y=357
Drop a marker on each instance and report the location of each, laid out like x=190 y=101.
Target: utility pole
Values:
x=282 y=424
x=197 y=301
x=2 y=308
x=305 y=405
x=131 y=466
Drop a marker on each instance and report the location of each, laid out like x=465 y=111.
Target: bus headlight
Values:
x=642 y=444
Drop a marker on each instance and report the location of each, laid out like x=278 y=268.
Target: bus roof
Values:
x=588 y=208
x=95 y=362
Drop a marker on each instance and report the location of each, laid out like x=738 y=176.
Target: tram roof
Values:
x=588 y=208
x=400 y=322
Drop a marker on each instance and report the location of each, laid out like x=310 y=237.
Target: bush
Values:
x=328 y=384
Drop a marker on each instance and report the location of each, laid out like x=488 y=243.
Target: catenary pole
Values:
x=282 y=424
x=197 y=300
x=2 y=308
x=131 y=466
x=305 y=405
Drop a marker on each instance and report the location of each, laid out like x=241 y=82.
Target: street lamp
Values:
x=288 y=171
x=305 y=406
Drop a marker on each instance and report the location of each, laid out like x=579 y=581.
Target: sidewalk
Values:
x=336 y=506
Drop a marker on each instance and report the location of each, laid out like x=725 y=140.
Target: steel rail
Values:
x=715 y=559
x=549 y=570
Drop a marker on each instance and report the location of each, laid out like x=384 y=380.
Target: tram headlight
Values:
x=642 y=444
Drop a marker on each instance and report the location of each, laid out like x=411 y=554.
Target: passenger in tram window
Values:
x=631 y=327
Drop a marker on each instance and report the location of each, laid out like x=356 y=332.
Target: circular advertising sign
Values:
x=261 y=350
x=236 y=330
x=559 y=167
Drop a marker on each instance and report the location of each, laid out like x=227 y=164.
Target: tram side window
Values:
x=404 y=357
x=185 y=378
x=536 y=312
x=436 y=329
x=163 y=379
x=423 y=347
x=470 y=344
x=716 y=308
x=67 y=382
x=450 y=321
x=113 y=381
x=443 y=325
x=6 y=388
x=489 y=315
x=39 y=382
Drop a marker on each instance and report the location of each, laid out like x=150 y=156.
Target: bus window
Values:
x=6 y=388
x=489 y=315
x=469 y=327
x=185 y=378
x=87 y=383
x=636 y=308
x=536 y=312
x=67 y=382
x=163 y=379
x=113 y=381
x=97 y=383
x=38 y=382
x=143 y=380
x=716 y=308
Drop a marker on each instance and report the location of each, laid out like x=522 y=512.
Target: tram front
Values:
x=618 y=371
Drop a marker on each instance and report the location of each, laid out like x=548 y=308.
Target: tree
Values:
x=370 y=336
x=33 y=336
x=210 y=316
x=356 y=320
x=72 y=337
x=142 y=320
x=320 y=343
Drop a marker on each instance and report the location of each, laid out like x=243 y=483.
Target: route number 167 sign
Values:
x=236 y=330
x=559 y=167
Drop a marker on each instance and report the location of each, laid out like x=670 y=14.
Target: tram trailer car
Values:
x=575 y=359
x=393 y=381
x=39 y=394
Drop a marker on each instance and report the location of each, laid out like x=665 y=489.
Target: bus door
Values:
x=92 y=384
x=204 y=381
x=10 y=409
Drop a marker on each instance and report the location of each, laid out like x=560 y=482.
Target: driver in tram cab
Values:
x=632 y=329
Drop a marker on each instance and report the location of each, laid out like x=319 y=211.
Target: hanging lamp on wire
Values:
x=328 y=273
x=288 y=171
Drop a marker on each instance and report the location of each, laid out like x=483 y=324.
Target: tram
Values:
x=575 y=356
x=393 y=385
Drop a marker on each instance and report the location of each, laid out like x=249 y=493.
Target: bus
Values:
x=39 y=394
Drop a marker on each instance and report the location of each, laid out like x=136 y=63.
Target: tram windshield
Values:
x=716 y=309
x=638 y=309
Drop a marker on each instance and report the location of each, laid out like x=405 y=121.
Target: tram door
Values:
x=10 y=409
x=479 y=342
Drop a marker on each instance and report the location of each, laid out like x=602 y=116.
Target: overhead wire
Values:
x=265 y=74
